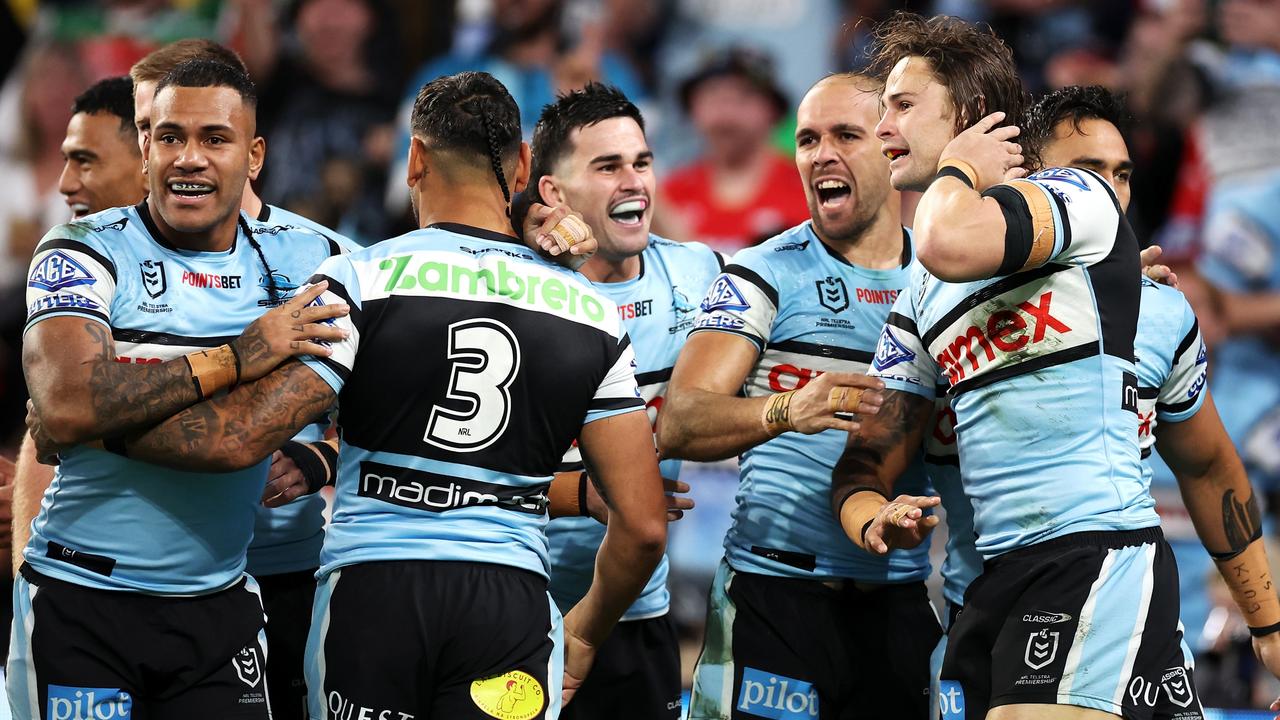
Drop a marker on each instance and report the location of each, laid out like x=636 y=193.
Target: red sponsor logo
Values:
x=139 y=360
x=1145 y=420
x=881 y=297
x=786 y=377
x=1006 y=330
x=210 y=280
x=636 y=309
x=944 y=426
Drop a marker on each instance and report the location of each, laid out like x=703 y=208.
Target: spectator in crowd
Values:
x=328 y=86
x=742 y=190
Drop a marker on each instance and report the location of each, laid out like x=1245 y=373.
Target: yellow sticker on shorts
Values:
x=510 y=696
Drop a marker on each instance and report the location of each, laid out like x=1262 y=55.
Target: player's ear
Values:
x=523 y=164
x=417 y=166
x=257 y=156
x=549 y=189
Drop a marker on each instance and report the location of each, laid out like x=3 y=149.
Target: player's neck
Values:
x=877 y=247
x=479 y=207
x=601 y=269
x=250 y=203
x=219 y=238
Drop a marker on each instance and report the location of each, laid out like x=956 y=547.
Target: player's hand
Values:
x=542 y=225
x=811 y=409
x=901 y=524
x=290 y=330
x=285 y=482
x=1156 y=272
x=677 y=501
x=46 y=449
x=988 y=149
x=1267 y=648
x=578 y=658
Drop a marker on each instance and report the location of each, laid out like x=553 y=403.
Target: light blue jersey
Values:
x=1171 y=370
x=288 y=538
x=1039 y=365
x=110 y=522
x=1242 y=256
x=808 y=311
x=471 y=367
x=657 y=309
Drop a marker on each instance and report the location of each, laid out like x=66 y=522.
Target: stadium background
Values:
x=335 y=77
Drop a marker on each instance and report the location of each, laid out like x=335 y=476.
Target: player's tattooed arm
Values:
x=863 y=479
x=82 y=391
x=241 y=428
x=1223 y=508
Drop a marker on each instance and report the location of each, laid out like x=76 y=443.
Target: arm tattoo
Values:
x=1242 y=522
x=241 y=428
x=126 y=396
x=888 y=431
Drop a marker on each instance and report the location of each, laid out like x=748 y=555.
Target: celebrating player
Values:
x=1044 y=296
x=104 y=163
x=791 y=323
x=589 y=151
x=133 y=597
x=468 y=368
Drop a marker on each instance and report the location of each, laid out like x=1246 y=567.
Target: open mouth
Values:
x=78 y=209
x=895 y=153
x=189 y=189
x=832 y=193
x=629 y=212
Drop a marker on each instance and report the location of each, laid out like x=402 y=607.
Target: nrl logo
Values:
x=153 y=280
x=833 y=294
x=1042 y=648
x=247 y=667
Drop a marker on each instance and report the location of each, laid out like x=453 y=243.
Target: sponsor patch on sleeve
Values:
x=891 y=352
x=724 y=295
x=59 y=270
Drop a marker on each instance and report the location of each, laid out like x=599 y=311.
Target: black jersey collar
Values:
x=476 y=232
x=906 y=248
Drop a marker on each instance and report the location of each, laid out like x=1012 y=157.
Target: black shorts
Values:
x=1089 y=619
x=287 y=598
x=789 y=648
x=636 y=675
x=412 y=640
x=79 y=652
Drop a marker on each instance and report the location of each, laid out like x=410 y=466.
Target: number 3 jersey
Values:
x=657 y=309
x=471 y=367
x=1039 y=365
x=808 y=311
x=119 y=524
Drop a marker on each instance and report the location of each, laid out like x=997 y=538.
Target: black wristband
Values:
x=312 y=466
x=850 y=492
x=1232 y=554
x=1264 y=631
x=863 y=535
x=582 y=494
x=955 y=172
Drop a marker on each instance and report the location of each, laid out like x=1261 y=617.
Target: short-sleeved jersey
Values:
x=471 y=367
x=657 y=308
x=1039 y=366
x=1171 y=369
x=808 y=311
x=111 y=522
x=288 y=538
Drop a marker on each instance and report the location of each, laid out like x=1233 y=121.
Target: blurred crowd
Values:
x=717 y=81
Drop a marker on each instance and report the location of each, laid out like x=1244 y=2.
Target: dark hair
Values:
x=1074 y=103
x=159 y=63
x=203 y=73
x=472 y=114
x=113 y=96
x=594 y=103
x=969 y=60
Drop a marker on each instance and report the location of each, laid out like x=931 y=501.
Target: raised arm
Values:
x=81 y=392
x=959 y=232
x=241 y=428
x=619 y=453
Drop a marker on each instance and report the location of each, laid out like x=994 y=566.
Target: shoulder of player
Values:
x=1070 y=184
x=104 y=236
x=273 y=231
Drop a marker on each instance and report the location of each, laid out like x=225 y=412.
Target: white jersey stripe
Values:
x=1139 y=624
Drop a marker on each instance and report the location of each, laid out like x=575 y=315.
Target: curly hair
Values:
x=1074 y=103
x=969 y=60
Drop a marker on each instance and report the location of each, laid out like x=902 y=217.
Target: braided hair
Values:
x=274 y=296
x=471 y=114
